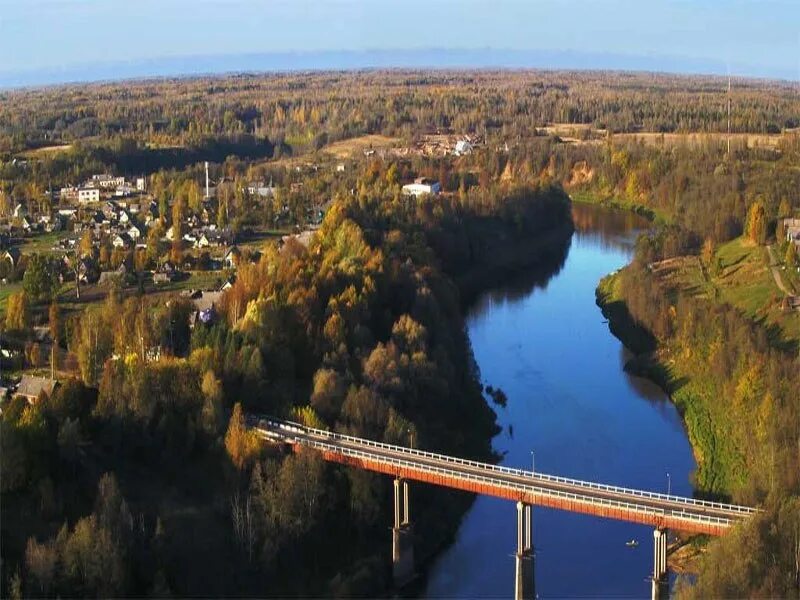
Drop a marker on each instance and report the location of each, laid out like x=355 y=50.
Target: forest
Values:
x=361 y=332
x=136 y=477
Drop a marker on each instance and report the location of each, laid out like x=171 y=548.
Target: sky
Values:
x=760 y=38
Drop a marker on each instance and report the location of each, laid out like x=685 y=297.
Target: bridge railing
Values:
x=297 y=428
x=595 y=501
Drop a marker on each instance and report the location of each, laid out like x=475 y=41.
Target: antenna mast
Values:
x=729 y=113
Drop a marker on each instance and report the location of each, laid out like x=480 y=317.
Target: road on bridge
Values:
x=639 y=506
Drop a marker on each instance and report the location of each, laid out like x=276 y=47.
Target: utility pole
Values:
x=729 y=113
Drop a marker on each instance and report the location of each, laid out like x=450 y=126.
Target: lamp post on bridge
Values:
x=411 y=438
x=669 y=484
x=533 y=463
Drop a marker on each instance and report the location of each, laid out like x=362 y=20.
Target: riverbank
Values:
x=545 y=344
x=587 y=197
x=665 y=362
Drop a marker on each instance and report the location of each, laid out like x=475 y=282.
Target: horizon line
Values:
x=482 y=59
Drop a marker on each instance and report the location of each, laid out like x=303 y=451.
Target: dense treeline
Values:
x=699 y=188
x=361 y=332
x=738 y=396
x=301 y=112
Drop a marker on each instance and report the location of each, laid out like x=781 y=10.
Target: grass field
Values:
x=42 y=243
x=6 y=290
x=592 y=198
x=742 y=279
x=577 y=133
x=46 y=151
x=349 y=148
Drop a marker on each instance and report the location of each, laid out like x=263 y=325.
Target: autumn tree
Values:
x=241 y=443
x=54 y=322
x=757 y=223
x=17 y=311
x=212 y=413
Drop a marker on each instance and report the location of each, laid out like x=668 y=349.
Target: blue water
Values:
x=571 y=403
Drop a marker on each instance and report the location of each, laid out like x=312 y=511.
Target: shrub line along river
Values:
x=571 y=404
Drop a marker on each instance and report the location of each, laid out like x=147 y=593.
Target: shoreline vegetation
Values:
x=589 y=197
x=716 y=366
x=362 y=332
x=362 y=329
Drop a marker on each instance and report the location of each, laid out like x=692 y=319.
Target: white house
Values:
x=107 y=181
x=134 y=232
x=463 y=147
x=86 y=195
x=422 y=186
x=121 y=241
x=141 y=184
x=68 y=193
x=259 y=188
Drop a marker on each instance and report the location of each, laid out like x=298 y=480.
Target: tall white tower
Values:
x=207 y=189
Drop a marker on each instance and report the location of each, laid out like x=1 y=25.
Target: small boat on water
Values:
x=632 y=544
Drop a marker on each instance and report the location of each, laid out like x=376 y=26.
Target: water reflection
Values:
x=609 y=229
x=522 y=284
x=542 y=339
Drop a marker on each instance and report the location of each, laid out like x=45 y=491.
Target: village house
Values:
x=231 y=257
x=421 y=186
x=31 y=387
x=205 y=304
x=12 y=255
x=68 y=194
x=87 y=195
x=462 y=147
x=106 y=181
x=261 y=189
x=792 y=229
x=122 y=240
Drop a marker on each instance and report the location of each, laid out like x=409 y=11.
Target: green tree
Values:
x=790 y=258
x=40 y=280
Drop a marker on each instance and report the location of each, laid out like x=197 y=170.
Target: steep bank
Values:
x=653 y=359
x=730 y=380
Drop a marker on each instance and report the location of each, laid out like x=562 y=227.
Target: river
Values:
x=570 y=403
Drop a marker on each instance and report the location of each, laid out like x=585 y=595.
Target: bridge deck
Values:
x=638 y=506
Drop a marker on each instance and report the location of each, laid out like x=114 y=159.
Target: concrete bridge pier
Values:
x=660 y=589
x=524 y=582
x=402 y=542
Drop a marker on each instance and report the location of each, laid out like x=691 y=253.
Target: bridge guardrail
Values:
x=292 y=427
x=516 y=487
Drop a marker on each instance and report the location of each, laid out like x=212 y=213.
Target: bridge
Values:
x=526 y=488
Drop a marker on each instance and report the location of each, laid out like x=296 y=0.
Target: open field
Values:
x=46 y=151
x=742 y=279
x=578 y=133
x=348 y=148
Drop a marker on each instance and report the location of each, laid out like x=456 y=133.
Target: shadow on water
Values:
x=610 y=229
x=541 y=338
x=522 y=283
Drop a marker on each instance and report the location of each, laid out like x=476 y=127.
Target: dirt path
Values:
x=776 y=274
